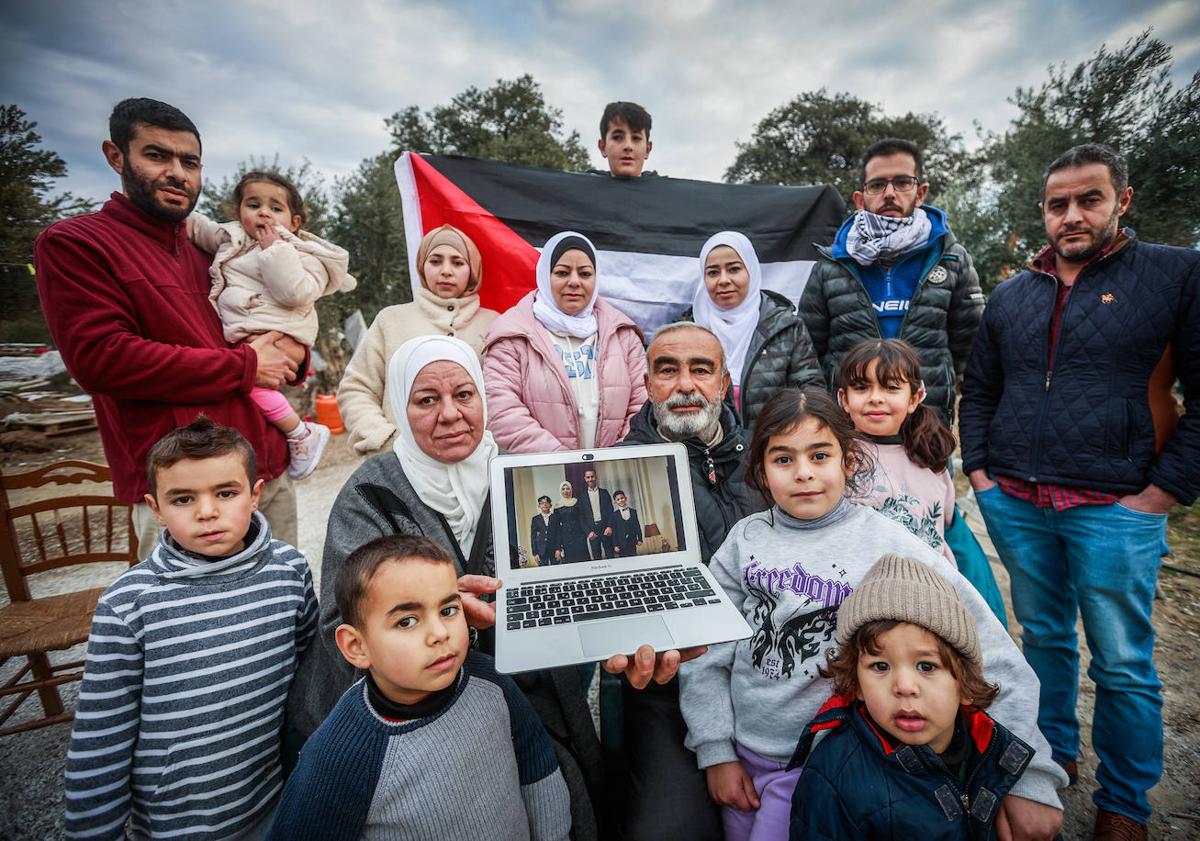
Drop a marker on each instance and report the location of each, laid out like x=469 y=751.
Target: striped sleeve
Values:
x=105 y=731
x=306 y=615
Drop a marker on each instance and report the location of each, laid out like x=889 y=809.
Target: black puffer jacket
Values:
x=1087 y=422
x=780 y=354
x=718 y=475
x=940 y=323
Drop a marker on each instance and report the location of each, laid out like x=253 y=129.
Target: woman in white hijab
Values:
x=564 y=369
x=433 y=484
x=572 y=534
x=767 y=346
x=444 y=453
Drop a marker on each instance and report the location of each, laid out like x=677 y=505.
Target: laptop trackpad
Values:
x=601 y=640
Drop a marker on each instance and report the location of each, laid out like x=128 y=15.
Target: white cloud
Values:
x=306 y=79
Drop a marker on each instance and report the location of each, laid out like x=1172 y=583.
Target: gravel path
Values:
x=31 y=764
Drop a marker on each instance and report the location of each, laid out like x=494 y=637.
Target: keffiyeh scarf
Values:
x=873 y=238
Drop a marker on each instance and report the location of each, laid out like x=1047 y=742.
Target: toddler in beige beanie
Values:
x=907 y=648
x=904 y=748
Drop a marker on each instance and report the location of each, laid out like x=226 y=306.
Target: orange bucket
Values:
x=329 y=415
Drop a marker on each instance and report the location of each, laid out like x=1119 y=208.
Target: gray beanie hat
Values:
x=906 y=590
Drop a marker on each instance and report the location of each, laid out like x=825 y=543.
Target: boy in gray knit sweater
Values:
x=431 y=743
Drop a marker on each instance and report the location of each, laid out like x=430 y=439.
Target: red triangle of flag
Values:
x=509 y=261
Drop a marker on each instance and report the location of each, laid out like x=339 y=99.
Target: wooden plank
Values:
x=41 y=722
x=55 y=423
x=22 y=349
x=71 y=429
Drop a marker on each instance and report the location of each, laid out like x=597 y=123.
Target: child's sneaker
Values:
x=306 y=450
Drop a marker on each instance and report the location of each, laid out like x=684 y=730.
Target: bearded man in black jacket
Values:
x=666 y=795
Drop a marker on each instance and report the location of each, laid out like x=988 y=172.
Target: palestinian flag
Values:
x=648 y=231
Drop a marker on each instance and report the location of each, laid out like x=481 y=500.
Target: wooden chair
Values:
x=45 y=535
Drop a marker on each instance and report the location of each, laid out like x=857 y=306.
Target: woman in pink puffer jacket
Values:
x=563 y=370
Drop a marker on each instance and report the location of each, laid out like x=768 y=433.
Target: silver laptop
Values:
x=600 y=554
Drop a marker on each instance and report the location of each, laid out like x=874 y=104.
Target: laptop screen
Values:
x=591 y=510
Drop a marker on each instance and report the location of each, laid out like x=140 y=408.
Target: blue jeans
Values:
x=1100 y=561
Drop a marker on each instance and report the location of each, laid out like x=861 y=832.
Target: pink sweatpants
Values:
x=271 y=403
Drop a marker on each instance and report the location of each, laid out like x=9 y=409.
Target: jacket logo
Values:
x=938 y=275
x=1107 y=298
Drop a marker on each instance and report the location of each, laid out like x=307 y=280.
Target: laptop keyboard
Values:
x=604 y=597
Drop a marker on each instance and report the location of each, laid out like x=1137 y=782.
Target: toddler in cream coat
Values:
x=267 y=275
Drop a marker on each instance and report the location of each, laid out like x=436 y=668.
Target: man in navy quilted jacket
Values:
x=1076 y=450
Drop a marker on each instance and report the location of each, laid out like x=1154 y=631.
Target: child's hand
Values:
x=266 y=235
x=1019 y=819
x=730 y=785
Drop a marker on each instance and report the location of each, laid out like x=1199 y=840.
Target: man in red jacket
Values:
x=125 y=294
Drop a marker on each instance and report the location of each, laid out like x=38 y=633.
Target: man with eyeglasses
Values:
x=895 y=270
x=1073 y=440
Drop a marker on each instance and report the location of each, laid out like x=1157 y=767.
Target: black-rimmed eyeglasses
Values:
x=901 y=183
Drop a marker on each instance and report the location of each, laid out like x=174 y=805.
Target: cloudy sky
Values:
x=297 y=78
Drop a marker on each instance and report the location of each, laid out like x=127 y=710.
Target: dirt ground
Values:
x=31 y=764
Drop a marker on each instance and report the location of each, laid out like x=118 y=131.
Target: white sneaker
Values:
x=306 y=451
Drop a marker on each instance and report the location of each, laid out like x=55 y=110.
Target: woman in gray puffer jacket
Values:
x=767 y=346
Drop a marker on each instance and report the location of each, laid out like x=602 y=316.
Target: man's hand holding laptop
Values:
x=647 y=664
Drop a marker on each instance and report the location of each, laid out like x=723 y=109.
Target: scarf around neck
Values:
x=545 y=308
x=872 y=238
x=456 y=491
x=733 y=327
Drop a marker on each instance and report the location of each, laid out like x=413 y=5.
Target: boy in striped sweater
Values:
x=431 y=744
x=190 y=658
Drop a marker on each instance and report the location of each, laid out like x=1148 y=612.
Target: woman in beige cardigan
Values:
x=447 y=304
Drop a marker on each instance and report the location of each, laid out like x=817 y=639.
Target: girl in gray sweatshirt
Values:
x=746 y=702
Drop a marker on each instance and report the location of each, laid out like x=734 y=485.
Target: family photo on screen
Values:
x=565 y=514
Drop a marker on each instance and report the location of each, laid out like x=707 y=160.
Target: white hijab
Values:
x=545 y=308
x=565 y=501
x=456 y=491
x=734 y=327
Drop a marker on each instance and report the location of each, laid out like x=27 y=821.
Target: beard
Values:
x=681 y=427
x=141 y=191
x=1100 y=238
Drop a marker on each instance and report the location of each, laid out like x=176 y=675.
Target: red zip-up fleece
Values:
x=126 y=298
